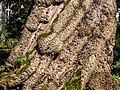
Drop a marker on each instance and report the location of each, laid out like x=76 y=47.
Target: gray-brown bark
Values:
x=81 y=37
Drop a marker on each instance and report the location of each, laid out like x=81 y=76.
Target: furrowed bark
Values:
x=81 y=37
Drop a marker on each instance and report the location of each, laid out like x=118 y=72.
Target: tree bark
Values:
x=81 y=37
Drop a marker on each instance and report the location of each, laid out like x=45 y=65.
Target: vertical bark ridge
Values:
x=100 y=19
x=81 y=36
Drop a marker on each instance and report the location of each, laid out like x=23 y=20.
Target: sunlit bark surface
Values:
x=80 y=34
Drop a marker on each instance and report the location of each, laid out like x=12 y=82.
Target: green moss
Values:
x=3 y=74
x=22 y=69
x=2 y=68
x=2 y=45
x=44 y=35
x=117 y=77
x=44 y=88
x=21 y=60
x=74 y=83
x=6 y=77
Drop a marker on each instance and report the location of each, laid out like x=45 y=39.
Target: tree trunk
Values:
x=79 y=35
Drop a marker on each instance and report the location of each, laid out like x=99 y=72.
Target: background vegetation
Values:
x=116 y=63
x=13 y=27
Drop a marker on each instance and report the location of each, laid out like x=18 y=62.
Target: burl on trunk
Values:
x=59 y=38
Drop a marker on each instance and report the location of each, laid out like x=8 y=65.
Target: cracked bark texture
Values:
x=82 y=37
